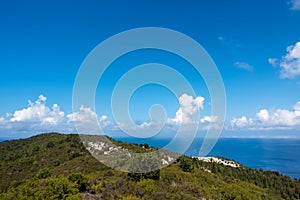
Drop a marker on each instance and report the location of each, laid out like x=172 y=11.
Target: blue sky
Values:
x=42 y=46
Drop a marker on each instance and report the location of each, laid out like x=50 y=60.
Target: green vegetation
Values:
x=57 y=166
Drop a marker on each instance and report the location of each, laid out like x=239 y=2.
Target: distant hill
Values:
x=58 y=166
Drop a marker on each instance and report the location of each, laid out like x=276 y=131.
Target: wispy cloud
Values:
x=294 y=4
x=273 y=61
x=232 y=45
x=244 y=65
x=290 y=63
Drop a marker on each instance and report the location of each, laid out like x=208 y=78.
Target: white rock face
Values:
x=219 y=161
x=102 y=148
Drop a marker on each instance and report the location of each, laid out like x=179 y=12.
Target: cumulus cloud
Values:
x=2 y=119
x=39 y=112
x=209 y=119
x=186 y=117
x=270 y=119
x=87 y=121
x=296 y=107
x=103 y=118
x=295 y=4
x=263 y=115
x=241 y=122
x=290 y=63
x=243 y=65
x=38 y=117
x=83 y=115
x=279 y=118
x=210 y=122
x=189 y=107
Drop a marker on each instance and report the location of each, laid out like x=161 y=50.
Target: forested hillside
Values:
x=58 y=166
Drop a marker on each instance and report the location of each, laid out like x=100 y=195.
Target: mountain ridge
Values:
x=54 y=160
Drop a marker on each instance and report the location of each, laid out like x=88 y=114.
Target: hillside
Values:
x=58 y=166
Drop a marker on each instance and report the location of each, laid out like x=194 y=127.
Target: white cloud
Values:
x=103 y=118
x=187 y=115
x=208 y=122
x=38 y=117
x=295 y=4
x=209 y=119
x=189 y=107
x=280 y=118
x=42 y=98
x=35 y=118
x=263 y=115
x=2 y=119
x=240 y=122
x=293 y=51
x=83 y=115
x=86 y=116
x=273 y=61
x=290 y=63
x=39 y=112
x=87 y=121
x=296 y=107
x=243 y=65
x=270 y=119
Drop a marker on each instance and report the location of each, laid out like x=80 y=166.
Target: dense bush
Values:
x=29 y=170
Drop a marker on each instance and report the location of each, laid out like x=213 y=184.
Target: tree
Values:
x=80 y=180
x=185 y=164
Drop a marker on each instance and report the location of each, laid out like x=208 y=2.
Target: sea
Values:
x=281 y=155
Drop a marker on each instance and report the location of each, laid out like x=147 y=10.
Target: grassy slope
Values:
x=44 y=166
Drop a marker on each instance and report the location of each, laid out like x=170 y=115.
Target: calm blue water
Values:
x=282 y=155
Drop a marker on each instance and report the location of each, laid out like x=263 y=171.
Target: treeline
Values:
x=173 y=183
x=57 y=166
x=283 y=186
